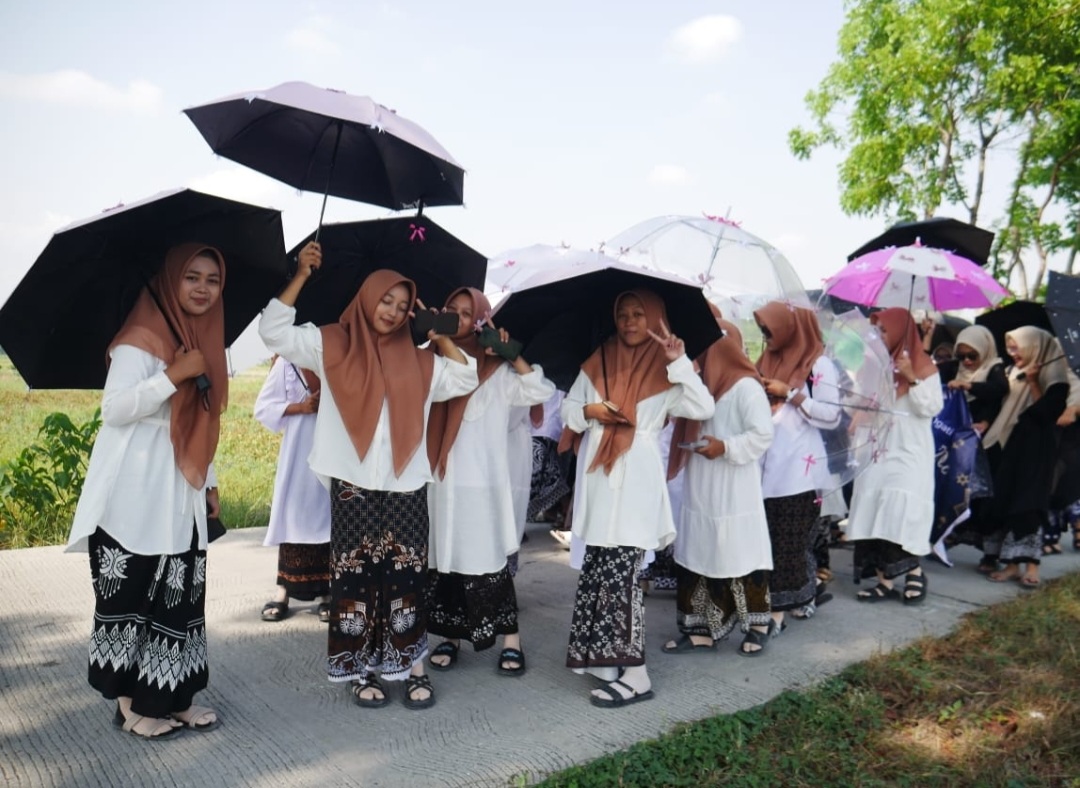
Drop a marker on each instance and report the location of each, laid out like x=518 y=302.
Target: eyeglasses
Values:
x=967 y=356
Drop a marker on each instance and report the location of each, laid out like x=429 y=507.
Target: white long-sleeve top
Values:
x=300 y=508
x=333 y=455
x=722 y=528
x=519 y=438
x=893 y=497
x=473 y=524
x=134 y=489
x=796 y=461
x=630 y=506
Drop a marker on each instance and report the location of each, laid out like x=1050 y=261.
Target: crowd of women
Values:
x=400 y=500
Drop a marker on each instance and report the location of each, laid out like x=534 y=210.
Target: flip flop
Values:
x=512 y=655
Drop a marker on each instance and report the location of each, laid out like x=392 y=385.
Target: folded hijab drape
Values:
x=902 y=336
x=796 y=342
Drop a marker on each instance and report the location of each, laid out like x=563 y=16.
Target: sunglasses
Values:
x=967 y=356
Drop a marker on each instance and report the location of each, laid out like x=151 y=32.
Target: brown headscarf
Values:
x=633 y=374
x=444 y=422
x=1035 y=346
x=722 y=366
x=796 y=342
x=903 y=336
x=193 y=428
x=364 y=368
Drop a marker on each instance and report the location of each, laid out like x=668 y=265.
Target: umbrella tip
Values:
x=918 y=241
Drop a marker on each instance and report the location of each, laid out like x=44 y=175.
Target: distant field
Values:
x=246 y=456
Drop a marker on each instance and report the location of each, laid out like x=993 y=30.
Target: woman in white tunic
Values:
x=892 y=507
x=723 y=553
x=473 y=524
x=300 y=509
x=618 y=405
x=149 y=488
x=377 y=392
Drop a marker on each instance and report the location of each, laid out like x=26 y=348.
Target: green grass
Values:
x=246 y=457
x=995 y=703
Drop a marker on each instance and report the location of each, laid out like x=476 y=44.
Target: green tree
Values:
x=927 y=90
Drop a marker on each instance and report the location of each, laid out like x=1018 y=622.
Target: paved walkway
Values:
x=285 y=725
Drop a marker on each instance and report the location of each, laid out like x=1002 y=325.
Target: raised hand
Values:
x=672 y=345
x=309 y=259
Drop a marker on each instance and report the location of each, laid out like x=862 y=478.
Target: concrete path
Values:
x=284 y=724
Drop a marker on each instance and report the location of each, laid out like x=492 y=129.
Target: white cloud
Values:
x=669 y=174
x=240 y=184
x=312 y=37
x=78 y=89
x=706 y=39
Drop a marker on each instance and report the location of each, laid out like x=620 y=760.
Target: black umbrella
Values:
x=1063 y=307
x=940 y=232
x=59 y=321
x=1004 y=319
x=328 y=141
x=563 y=315
x=416 y=247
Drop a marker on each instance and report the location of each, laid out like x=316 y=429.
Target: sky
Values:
x=573 y=120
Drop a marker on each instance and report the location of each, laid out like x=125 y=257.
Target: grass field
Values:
x=245 y=463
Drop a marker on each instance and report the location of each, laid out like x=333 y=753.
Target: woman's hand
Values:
x=956 y=384
x=672 y=345
x=603 y=414
x=311 y=403
x=309 y=259
x=905 y=369
x=188 y=364
x=777 y=389
x=1068 y=417
x=213 y=502
x=980 y=427
x=714 y=449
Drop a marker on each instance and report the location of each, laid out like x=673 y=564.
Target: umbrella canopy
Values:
x=940 y=232
x=1063 y=307
x=562 y=315
x=1004 y=319
x=510 y=269
x=59 y=321
x=415 y=247
x=915 y=277
x=328 y=141
x=738 y=271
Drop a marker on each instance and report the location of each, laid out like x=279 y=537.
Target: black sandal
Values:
x=878 y=593
x=511 y=655
x=414 y=683
x=445 y=649
x=916 y=584
x=275 y=611
x=759 y=639
x=323 y=611
x=369 y=682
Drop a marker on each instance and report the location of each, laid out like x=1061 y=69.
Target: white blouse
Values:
x=630 y=507
x=333 y=455
x=300 y=508
x=134 y=489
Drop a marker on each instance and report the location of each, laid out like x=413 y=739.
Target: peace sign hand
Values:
x=672 y=345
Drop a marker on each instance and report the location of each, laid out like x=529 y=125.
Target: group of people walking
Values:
x=398 y=506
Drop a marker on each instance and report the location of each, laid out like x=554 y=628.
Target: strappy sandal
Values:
x=370 y=682
x=616 y=698
x=511 y=655
x=275 y=611
x=193 y=714
x=414 y=683
x=131 y=725
x=759 y=639
x=917 y=585
x=878 y=593
x=686 y=645
x=446 y=649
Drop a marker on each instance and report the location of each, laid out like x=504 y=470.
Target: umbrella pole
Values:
x=911 y=294
x=329 y=177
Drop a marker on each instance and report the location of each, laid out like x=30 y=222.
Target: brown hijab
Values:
x=722 y=366
x=903 y=336
x=633 y=374
x=796 y=342
x=364 y=368
x=444 y=422
x=193 y=429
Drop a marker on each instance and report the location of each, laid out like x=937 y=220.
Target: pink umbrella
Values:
x=915 y=276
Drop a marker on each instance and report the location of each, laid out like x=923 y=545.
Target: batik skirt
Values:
x=878 y=555
x=304 y=570
x=379 y=555
x=711 y=607
x=551 y=475
x=792 y=520
x=608 y=625
x=149 y=638
x=476 y=608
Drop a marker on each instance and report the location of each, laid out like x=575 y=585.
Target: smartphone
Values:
x=701 y=443
x=445 y=323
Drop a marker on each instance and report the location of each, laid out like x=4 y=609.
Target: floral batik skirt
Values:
x=379 y=549
x=711 y=607
x=472 y=607
x=149 y=639
x=608 y=625
x=304 y=570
